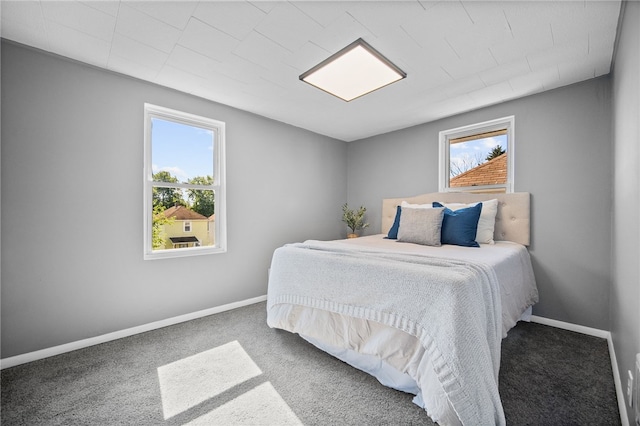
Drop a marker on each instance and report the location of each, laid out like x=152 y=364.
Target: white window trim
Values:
x=459 y=132
x=219 y=185
x=184 y=226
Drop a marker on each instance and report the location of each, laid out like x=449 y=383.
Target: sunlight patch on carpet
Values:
x=190 y=381
x=261 y=405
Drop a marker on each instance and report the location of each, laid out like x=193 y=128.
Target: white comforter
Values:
x=510 y=261
x=348 y=295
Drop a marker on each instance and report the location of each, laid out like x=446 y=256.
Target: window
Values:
x=478 y=157
x=184 y=184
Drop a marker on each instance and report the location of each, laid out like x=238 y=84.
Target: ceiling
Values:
x=458 y=55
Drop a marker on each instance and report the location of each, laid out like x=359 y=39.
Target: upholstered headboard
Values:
x=513 y=220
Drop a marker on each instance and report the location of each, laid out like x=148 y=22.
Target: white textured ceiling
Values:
x=458 y=55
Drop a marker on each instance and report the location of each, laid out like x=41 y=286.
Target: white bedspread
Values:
x=453 y=307
x=510 y=261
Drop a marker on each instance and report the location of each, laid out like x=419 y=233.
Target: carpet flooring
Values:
x=230 y=368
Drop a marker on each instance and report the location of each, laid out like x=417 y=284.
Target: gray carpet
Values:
x=548 y=377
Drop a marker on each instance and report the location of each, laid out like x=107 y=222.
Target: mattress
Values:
x=396 y=357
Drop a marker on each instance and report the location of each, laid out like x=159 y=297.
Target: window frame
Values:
x=444 y=172
x=219 y=186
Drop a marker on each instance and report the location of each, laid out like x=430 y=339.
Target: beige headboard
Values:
x=513 y=220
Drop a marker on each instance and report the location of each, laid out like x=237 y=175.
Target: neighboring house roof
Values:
x=490 y=173
x=183 y=213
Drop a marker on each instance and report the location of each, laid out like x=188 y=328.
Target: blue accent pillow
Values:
x=459 y=227
x=393 y=232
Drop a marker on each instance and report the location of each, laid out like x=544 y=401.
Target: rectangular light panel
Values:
x=354 y=71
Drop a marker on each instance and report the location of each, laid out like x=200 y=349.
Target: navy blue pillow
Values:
x=393 y=232
x=459 y=227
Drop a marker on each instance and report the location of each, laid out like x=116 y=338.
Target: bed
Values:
x=422 y=317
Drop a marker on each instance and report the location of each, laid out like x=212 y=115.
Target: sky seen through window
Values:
x=185 y=151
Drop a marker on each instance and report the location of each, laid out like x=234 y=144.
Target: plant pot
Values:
x=352 y=235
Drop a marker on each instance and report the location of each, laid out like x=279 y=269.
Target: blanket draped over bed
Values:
x=452 y=307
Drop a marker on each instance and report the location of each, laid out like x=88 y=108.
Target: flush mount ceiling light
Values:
x=352 y=72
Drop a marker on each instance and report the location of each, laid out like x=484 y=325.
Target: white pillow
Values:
x=416 y=206
x=487 y=221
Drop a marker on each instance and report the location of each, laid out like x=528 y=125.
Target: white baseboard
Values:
x=622 y=407
x=80 y=344
x=622 y=403
x=571 y=327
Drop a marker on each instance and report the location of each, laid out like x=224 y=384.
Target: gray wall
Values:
x=625 y=291
x=562 y=157
x=72 y=147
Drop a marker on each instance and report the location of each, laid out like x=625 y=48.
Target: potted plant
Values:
x=354 y=219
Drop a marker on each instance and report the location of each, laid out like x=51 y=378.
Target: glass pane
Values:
x=186 y=224
x=180 y=152
x=478 y=162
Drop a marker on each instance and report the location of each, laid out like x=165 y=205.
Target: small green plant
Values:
x=354 y=218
